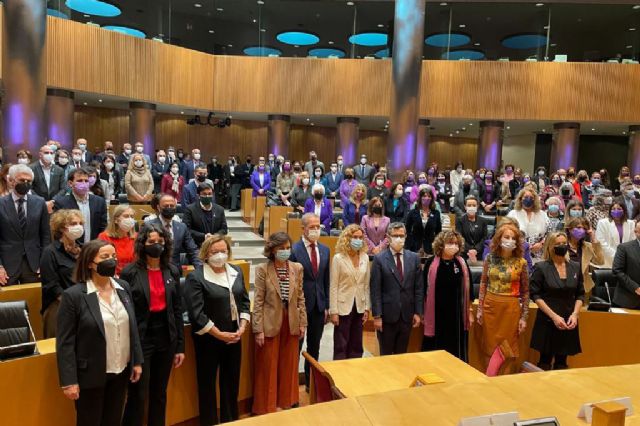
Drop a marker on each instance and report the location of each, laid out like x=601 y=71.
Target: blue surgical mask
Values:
x=283 y=254
x=554 y=208
x=356 y=244
x=595 y=182
x=575 y=213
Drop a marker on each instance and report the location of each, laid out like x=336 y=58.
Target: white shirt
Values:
x=116 y=328
x=223 y=279
x=317 y=208
x=16 y=197
x=83 y=206
x=261 y=177
x=307 y=245
x=395 y=259
x=47 y=173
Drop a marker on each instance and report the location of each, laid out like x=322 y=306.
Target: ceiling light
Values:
x=476 y=44
x=349 y=3
x=263 y=30
x=593 y=130
x=85 y=104
x=330 y=42
x=539 y=4
x=462 y=26
x=254 y=20
x=295 y=45
x=220 y=9
x=100 y=100
x=624 y=133
x=632 y=29
x=629 y=46
x=553 y=45
x=464 y=129
x=443 y=4
x=229 y=45
x=181 y=112
x=260 y=2
x=450 y=135
x=312 y=124
x=380 y=25
x=544 y=130
x=308 y=119
x=197 y=5
x=457 y=132
x=636 y=7
x=470 y=124
x=87 y=16
x=546 y=27
x=211 y=31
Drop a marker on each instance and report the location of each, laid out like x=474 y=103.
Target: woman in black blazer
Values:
x=396 y=206
x=219 y=310
x=443 y=192
x=423 y=224
x=97 y=343
x=557 y=288
x=473 y=229
x=157 y=299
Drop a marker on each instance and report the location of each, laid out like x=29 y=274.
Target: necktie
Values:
x=399 y=267
x=363 y=171
x=314 y=259
x=22 y=218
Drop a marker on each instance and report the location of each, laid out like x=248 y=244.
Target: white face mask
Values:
x=397 y=243
x=305 y=181
x=108 y=165
x=63 y=161
x=196 y=156
x=47 y=158
x=138 y=163
x=472 y=210
x=340 y=162
x=74 y=232
x=363 y=161
x=140 y=149
x=23 y=161
x=379 y=182
x=127 y=151
x=508 y=244
x=83 y=147
x=162 y=159
x=127 y=223
x=77 y=158
x=313 y=235
x=217 y=260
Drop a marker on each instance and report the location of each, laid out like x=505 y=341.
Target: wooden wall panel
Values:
x=302 y=86
x=446 y=151
x=98 y=125
x=85 y=58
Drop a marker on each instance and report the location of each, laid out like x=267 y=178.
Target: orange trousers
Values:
x=275 y=382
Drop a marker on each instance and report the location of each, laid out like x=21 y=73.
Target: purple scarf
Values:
x=430 y=301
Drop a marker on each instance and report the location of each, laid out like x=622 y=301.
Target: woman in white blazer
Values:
x=349 y=298
x=528 y=212
x=613 y=231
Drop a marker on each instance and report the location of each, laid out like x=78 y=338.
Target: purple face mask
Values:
x=426 y=202
x=261 y=168
x=286 y=168
x=422 y=180
x=578 y=233
x=92 y=181
x=82 y=187
x=617 y=213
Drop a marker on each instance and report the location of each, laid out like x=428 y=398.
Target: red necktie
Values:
x=399 y=267
x=314 y=259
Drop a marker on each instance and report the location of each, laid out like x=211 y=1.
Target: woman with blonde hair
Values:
x=5 y=187
x=349 y=298
x=503 y=305
x=279 y=322
x=557 y=288
x=356 y=209
x=527 y=210
x=138 y=181
x=448 y=297
x=583 y=248
x=121 y=234
x=57 y=263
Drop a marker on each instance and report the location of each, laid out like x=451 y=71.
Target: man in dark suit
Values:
x=204 y=218
x=334 y=179
x=625 y=268
x=629 y=200
x=182 y=240
x=48 y=178
x=396 y=279
x=244 y=172
x=233 y=183
x=189 y=168
x=24 y=229
x=190 y=189
x=76 y=159
x=363 y=171
x=87 y=155
x=159 y=169
x=314 y=258
x=92 y=207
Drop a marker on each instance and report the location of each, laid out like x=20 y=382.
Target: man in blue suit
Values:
x=190 y=189
x=92 y=207
x=189 y=167
x=396 y=279
x=182 y=239
x=314 y=258
x=333 y=180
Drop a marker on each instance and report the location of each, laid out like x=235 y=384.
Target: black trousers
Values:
x=103 y=406
x=234 y=195
x=152 y=386
x=315 y=327
x=25 y=274
x=394 y=338
x=216 y=357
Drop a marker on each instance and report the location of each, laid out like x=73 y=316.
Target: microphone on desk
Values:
x=606 y=285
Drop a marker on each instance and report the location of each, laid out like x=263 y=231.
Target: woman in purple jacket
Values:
x=321 y=207
x=375 y=224
x=260 y=180
x=346 y=187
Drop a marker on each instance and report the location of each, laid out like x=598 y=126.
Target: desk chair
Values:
x=15 y=330
x=323 y=388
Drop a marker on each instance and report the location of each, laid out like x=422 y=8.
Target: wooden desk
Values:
x=246 y=200
x=258 y=205
x=273 y=216
x=331 y=243
x=345 y=412
x=364 y=376
x=294 y=229
x=32 y=293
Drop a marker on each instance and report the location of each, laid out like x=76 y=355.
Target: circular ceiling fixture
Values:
x=94 y=7
x=57 y=14
x=446 y=39
x=384 y=53
x=456 y=55
x=524 y=41
x=298 y=37
x=261 y=51
x=326 y=52
x=126 y=30
x=369 y=39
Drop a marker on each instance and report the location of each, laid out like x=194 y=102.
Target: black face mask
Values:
x=318 y=196
x=168 y=212
x=22 y=188
x=466 y=187
x=376 y=210
x=107 y=268
x=561 y=250
x=201 y=178
x=154 y=250
x=582 y=179
x=348 y=177
x=248 y=161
